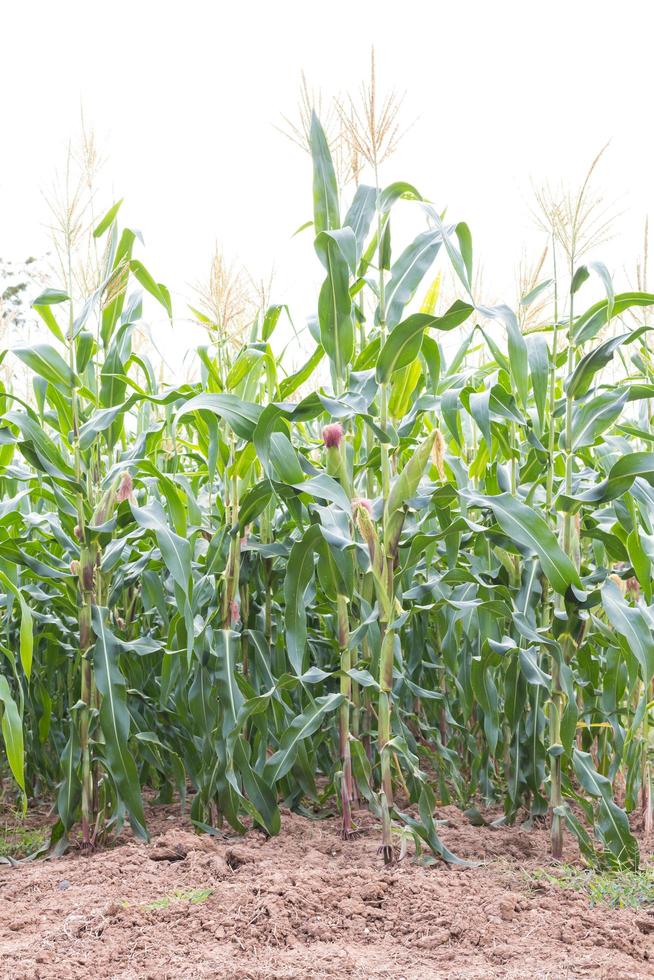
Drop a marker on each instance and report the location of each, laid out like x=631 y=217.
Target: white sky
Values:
x=184 y=99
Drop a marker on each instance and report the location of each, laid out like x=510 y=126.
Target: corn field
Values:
x=417 y=570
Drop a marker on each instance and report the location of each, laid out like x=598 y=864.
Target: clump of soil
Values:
x=307 y=904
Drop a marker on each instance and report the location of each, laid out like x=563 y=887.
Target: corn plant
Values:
x=428 y=577
x=77 y=532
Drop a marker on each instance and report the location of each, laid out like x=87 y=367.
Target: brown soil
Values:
x=307 y=904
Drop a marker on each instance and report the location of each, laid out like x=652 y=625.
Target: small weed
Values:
x=618 y=889
x=17 y=841
x=194 y=896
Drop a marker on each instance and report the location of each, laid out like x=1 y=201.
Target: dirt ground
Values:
x=307 y=904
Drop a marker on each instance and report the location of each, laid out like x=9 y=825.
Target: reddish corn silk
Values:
x=332 y=435
x=234 y=613
x=126 y=487
x=78 y=532
x=362 y=502
x=74 y=567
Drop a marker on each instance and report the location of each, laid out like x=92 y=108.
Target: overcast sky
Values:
x=185 y=98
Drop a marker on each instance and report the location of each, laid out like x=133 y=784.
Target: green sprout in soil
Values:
x=17 y=841
x=194 y=896
x=617 y=889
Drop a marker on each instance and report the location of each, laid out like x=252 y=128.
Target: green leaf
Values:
x=299 y=572
x=529 y=529
x=325 y=188
x=641 y=562
x=155 y=289
x=113 y=307
x=289 y=385
x=398 y=191
x=175 y=550
x=465 y=246
x=538 y=356
x=459 y=264
x=479 y=404
x=85 y=347
x=51 y=297
x=42 y=304
x=229 y=692
x=518 y=353
x=360 y=214
x=271 y=319
x=597 y=316
x=12 y=733
x=45 y=361
x=425 y=828
x=613 y=825
x=534 y=293
x=47 y=456
x=620 y=479
x=115 y=720
x=600 y=269
x=591 y=419
x=108 y=219
x=408 y=272
x=405 y=340
x=241 y=416
x=304 y=725
x=335 y=302
x=579 y=278
x=324 y=487
x=260 y=795
x=70 y=787
x=630 y=623
x=26 y=626
x=581 y=378
x=284 y=460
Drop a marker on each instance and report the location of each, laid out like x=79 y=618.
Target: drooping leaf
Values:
x=408 y=272
x=303 y=726
x=12 y=734
x=115 y=720
x=405 y=340
x=524 y=525
x=299 y=573
x=241 y=416
x=45 y=361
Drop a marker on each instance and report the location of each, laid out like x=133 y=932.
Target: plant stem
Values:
x=556 y=712
x=386 y=656
x=344 y=718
